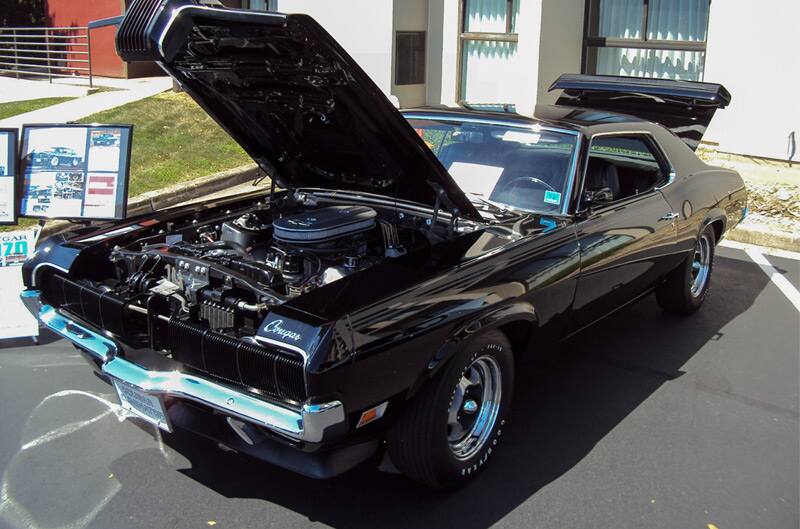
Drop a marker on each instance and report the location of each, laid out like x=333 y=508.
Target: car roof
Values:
x=586 y=121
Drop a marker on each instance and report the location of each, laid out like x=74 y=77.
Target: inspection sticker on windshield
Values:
x=552 y=197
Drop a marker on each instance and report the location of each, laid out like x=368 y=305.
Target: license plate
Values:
x=145 y=406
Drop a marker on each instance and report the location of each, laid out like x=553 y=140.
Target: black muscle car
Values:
x=55 y=158
x=380 y=300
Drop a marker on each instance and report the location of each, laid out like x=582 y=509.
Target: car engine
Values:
x=226 y=275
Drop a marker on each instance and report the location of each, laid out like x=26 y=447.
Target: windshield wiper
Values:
x=490 y=205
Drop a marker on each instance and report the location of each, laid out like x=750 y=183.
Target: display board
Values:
x=8 y=176
x=77 y=172
x=15 y=248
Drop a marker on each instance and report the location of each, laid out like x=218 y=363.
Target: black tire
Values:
x=420 y=443
x=680 y=292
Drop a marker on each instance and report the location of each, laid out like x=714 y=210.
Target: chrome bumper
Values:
x=305 y=424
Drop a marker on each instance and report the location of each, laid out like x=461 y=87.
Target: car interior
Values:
x=528 y=171
x=622 y=166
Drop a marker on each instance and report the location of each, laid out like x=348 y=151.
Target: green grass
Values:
x=20 y=107
x=174 y=140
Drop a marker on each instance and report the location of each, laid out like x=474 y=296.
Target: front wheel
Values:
x=452 y=427
x=686 y=287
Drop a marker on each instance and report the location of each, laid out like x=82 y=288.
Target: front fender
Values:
x=494 y=318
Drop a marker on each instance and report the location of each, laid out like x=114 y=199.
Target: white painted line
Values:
x=775 y=252
x=776 y=277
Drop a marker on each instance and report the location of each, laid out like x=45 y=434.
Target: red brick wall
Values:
x=105 y=61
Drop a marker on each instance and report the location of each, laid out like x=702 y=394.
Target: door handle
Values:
x=669 y=216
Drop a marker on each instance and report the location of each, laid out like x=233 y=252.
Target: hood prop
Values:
x=442 y=198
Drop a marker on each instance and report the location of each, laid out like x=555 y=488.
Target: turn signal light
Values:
x=372 y=414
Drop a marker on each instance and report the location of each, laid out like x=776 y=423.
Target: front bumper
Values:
x=307 y=423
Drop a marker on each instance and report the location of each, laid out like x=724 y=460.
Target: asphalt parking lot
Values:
x=646 y=420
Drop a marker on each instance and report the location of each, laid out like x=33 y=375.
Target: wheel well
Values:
x=719 y=227
x=519 y=334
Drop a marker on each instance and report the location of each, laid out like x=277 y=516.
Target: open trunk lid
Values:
x=290 y=95
x=685 y=107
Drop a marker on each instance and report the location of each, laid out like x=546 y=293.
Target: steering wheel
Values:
x=538 y=181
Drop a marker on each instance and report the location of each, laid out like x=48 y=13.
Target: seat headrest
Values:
x=600 y=174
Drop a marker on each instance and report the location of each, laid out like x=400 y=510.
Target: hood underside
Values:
x=288 y=93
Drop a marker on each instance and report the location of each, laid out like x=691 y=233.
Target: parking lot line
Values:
x=775 y=252
x=775 y=276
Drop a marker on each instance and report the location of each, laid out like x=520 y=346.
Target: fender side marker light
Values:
x=372 y=414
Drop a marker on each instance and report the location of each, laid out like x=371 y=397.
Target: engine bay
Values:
x=226 y=274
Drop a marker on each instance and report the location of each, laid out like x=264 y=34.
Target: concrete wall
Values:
x=409 y=15
x=752 y=50
x=362 y=27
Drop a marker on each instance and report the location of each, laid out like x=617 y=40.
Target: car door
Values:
x=627 y=237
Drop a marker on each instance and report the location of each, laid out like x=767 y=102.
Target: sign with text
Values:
x=8 y=176
x=75 y=172
x=15 y=248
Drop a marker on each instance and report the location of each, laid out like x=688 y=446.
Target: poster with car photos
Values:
x=77 y=172
x=8 y=176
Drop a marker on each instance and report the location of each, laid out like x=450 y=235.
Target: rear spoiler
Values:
x=685 y=107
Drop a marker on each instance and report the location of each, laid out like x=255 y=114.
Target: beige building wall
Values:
x=409 y=15
x=362 y=27
x=752 y=50
x=550 y=39
x=442 y=61
x=560 y=44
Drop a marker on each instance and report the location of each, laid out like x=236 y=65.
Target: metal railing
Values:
x=50 y=52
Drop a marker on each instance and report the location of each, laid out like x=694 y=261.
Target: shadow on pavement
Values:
x=567 y=404
x=45 y=337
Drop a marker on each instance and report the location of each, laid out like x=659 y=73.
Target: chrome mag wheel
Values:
x=474 y=408
x=701 y=265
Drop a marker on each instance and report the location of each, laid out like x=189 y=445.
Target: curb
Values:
x=174 y=194
x=762 y=236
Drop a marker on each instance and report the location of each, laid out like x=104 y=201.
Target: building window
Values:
x=647 y=38
x=409 y=64
x=488 y=49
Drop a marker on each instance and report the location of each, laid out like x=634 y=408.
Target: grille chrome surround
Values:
x=308 y=422
x=267 y=371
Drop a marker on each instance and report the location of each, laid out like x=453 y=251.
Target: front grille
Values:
x=101 y=309
x=273 y=373
x=133 y=43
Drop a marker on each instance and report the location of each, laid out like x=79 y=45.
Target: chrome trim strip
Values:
x=99 y=347
x=36 y=268
x=32 y=299
x=309 y=423
x=489 y=121
x=526 y=126
x=672 y=175
x=572 y=175
x=282 y=345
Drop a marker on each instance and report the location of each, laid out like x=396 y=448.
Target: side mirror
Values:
x=598 y=197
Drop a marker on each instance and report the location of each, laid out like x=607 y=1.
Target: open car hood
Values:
x=685 y=107
x=288 y=93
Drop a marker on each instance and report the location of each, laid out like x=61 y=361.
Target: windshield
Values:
x=520 y=168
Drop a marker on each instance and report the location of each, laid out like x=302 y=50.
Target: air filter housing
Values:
x=324 y=224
